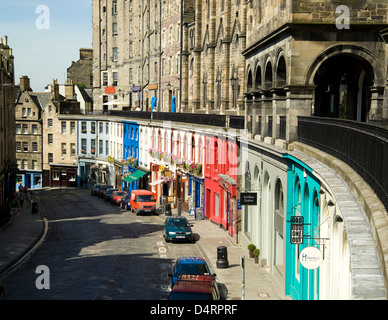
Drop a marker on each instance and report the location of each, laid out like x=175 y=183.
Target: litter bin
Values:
x=34 y=207
x=222 y=257
x=167 y=209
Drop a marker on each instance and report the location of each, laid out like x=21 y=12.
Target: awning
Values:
x=135 y=175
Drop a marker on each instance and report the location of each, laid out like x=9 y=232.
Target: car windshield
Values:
x=145 y=198
x=193 y=268
x=190 y=296
x=106 y=187
x=111 y=190
x=120 y=193
x=177 y=223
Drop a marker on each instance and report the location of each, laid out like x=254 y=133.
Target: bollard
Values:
x=222 y=257
x=179 y=207
x=34 y=207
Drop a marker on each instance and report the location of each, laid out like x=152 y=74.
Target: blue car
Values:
x=189 y=265
x=177 y=229
x=125 y=202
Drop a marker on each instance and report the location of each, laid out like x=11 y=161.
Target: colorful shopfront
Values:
x=302 y=202
x=31 y=179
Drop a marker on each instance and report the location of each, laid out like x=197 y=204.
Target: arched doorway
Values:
x=343 y=88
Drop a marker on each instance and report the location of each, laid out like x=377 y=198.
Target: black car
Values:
x=108 y=194
x=125 y=202
x=102 y=190
x=94 y=190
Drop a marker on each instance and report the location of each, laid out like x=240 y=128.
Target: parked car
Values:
x=143 y=201
x=102 y=190
x=108 y=194
x=1 y=292
x=94 y=189
x=117 y=195
x=195 y=287
x=189 y=265
x=126 y=202
x=177 y=228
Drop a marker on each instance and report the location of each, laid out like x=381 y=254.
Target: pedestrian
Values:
x=20 y=188
x=21 y=199
x=25 y=189
x=28 y=197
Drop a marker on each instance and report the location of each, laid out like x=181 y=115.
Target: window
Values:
x=18 y=147
x=63 y=148
x=72 y=127
x=25 y=164
x=105 y=79
x=50 y=122
x=34 y=129
x=83 y=127
x=92 y=127
x=18 y=128
x=101 y=147
x=93 y=146
x=83 y=145
x=50 y=138
x=25 y=146
x=24 y=112
x=107 y=128
x=29 y=112
x=115 y=78
x=34 y=147
x=25 y=128
x=34 y=164
x=100 y=127
x=50 y=158
x=114 y=28
x=72 y=149
x=106 y=147
x=115 y=54
x=114 y=7
x=63 y=127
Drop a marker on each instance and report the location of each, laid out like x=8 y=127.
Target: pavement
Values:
x=27 y=231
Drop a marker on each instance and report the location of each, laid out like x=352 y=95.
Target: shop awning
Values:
x=135 y=175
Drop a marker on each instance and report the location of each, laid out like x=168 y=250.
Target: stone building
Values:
x=29 y=143
x=59 y=136
x=7 y=128
x=136 y=47
x=213 y=67
x=316 y=58
x=81 y=71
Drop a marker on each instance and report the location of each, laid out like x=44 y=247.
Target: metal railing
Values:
x=364 y=147
x=218 y=120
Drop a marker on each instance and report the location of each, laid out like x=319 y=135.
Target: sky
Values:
x=45 y=36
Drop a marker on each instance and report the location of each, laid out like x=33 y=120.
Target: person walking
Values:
x=28 y=197
x=21 y=199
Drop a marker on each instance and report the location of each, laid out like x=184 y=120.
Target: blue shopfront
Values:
x=302 y=283
x=196 y=196
x=31 y=179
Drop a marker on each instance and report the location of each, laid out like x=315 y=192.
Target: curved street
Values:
x=95 y=250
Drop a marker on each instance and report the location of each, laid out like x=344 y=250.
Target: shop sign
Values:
x=248 y=199
x=136 y=88
x=297 y=225
x=311 y=258
x=110 y=90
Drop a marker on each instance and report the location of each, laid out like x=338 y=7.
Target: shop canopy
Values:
x=135 y=175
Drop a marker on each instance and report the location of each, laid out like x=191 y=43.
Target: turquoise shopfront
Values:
x=302 y=201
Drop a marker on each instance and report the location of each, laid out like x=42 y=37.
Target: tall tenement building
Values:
x=136 y=47
x=7 y=129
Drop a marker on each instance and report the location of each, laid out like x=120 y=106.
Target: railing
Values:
x=218 y=120
x=364 y=147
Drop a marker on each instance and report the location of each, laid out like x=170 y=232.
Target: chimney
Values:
x=55 y=90
x=25 y=84
x=69 y=90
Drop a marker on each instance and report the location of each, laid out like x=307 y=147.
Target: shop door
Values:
x=63 y=179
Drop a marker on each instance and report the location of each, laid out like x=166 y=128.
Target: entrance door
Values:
x=63 y=179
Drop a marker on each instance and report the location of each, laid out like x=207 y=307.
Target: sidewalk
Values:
x=19 y=238
x=258 y=282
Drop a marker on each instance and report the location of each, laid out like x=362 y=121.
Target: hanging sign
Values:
x=296 y=236
x=311 y=258
x=248 y=199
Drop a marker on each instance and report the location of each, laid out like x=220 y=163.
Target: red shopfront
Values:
x=220 y=182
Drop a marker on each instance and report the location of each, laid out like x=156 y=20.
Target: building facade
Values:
x=81 y=71
x=29 y=137
x=136 y=47
x=8 y=166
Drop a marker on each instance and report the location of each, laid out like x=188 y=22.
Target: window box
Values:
x=83 y=151
x=83 y=130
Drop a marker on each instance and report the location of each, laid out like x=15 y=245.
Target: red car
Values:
x=195 y=287
x=117 y=195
